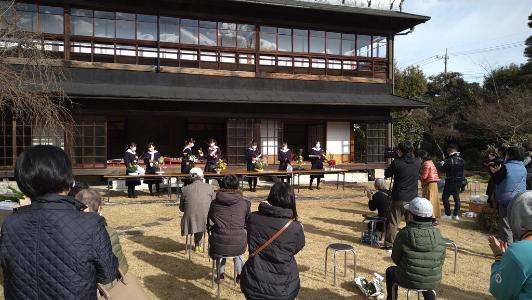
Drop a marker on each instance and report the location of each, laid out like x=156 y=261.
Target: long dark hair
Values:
x=189 y=140
x=282 y=195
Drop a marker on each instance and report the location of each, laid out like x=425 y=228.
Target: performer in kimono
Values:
x=316 y=156
x=213 y=155
x=130 y=157
x=285 y=157
x=187 y=162
x=252 y=154
x=151 y=159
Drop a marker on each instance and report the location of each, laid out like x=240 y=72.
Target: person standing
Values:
x=453 y=167
x=272 y=273
x=252 y=155
x=490 y=189
x=195 y=201
x=187 y=160
x=51 y=249
x=227 y=223
x=429 y=183
x=405 y=172
x=131 y=158
x=510 y=180
x=285 y=157
x=316 y=159
x=511 y=273
x=151 y=159
x=214 y=154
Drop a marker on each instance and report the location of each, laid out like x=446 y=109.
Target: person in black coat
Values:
x=227 y=225
x=378 y=201
x=187 y=163
x=151 y=159
x=51 y=249
x=490 y=189
x=131 y=157
x=285 y=157
x=453 y=167
x=273 y=273
x=316 y=156
x=252 y=154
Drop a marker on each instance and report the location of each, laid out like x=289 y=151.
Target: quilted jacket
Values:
x=428 y=173
x=52 y=250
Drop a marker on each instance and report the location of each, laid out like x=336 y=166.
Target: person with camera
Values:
x=510 y=180
x=405 y=172
x=492 y=159
x=453 y=167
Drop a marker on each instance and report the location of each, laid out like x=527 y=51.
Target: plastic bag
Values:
x=373 y=288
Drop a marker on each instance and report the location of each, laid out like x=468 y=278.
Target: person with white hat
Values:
x=195 y=201
x=418 y=251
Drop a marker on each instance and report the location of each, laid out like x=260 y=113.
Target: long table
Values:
x=241 y=175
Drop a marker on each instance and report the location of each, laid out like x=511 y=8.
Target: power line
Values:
x=488 y=49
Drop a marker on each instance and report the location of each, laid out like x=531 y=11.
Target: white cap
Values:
x=196 y=172
x=420 y=207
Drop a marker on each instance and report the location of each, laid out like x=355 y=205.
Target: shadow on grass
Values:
x=452 y=292
x=167 y=287
x=338 y=236
x=307 y=293
x=356 y=226
x=158 y=244
x=175 y=266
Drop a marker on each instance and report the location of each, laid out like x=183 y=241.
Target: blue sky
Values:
x=480 y=35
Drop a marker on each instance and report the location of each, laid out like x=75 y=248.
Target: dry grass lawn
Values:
x=155 y=249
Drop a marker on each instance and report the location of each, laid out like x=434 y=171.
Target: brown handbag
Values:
x=273 y=238
x=127 y=287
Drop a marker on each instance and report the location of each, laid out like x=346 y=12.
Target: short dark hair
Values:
x=78 y=186
x=43 y=170
x=406 y=147
x=254 y=142
x=91 y=198
x=282 y=195
x=424 y=155
x=211 y=140
x=230 y=182
x=132 y=144
x=190 y=140
x=151 y=144
x=421 y=219
x=515 y=153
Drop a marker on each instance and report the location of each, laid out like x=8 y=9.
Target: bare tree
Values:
x=30 y=79
x=508 y=119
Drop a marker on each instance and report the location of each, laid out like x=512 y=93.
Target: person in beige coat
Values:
x=195 y=202
x=429 y=182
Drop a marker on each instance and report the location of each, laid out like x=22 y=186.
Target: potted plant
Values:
x=132 y=168
x=159 y=164
x=220 y=166
x=260 y=164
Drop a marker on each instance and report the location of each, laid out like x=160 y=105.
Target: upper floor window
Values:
x=46 y=19
x=188 y=33
x=147 y=27
x=245 y=36
x=317 y=41
x=364 y=45
x=379 y=46
x=169 y=29
x=268 y=38
x=300 y=38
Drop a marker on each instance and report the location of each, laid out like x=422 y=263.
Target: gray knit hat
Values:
x=520 y=214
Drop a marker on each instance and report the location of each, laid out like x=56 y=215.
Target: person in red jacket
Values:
x=429 y=183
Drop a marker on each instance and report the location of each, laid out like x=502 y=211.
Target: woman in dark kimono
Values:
x=151 y=159
x=285 y=157
x=316 y=159
x=186 y=163
x=213 y=155
x=130 y=157
x=252 y=154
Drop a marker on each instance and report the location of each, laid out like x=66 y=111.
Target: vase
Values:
x=218 y=171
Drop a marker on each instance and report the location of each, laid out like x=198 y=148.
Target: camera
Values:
x=497 y=162
x=390 y=153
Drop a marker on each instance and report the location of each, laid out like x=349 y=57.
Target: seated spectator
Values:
x=65 y=251
x=78 y=186
x=227 y=222
x=195 y=201
x=272 y=272
x=511 y=273
x=378 y=201
x=93 y=200
x=418 y=251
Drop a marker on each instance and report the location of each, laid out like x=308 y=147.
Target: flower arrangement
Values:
x=299 y=159
x=132 y=167
x=13 y=195
x=330 y=160
x=220 y=165
x=260 y=164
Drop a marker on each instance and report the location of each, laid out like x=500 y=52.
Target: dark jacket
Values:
x=272 y=273
x=419 y=252
x=405 y=172
x=227 y=223
x=454 y=171
x=52 y=250
x=379 y=202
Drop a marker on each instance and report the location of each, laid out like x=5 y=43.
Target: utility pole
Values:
x=445 y=59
